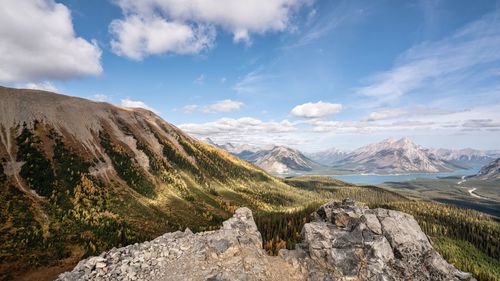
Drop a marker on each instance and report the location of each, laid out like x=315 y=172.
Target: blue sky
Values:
x=310 y=74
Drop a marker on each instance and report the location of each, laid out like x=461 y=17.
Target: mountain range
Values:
x=78 y=177
x=393 y=156
x=276 y=159
x=390 y=156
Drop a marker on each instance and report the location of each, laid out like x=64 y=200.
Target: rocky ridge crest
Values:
x=343 y=241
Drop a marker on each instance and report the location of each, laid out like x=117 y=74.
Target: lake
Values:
x=379 y=179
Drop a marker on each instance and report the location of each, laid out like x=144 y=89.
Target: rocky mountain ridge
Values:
x=491 y=171
x=343 y=241
x=466 y=157
x=328 y=157
x=390 y=156
x=394 y=156
x=78 y=177
x=275 y=159
x=282 y=160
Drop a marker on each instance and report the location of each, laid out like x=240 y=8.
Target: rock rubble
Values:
x=343 y=241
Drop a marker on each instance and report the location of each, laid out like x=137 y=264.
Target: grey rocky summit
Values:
x=343 y=241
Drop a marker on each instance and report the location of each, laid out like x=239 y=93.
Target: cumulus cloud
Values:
x=38 y=43
x=136 y=37
x=188 y=26
x=137 y=104
x=241 y=126
x=484 y=121
x=316 y=110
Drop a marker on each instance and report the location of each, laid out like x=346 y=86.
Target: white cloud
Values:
x=481 y=123
x=38 y=43
x=137 y=104
x=45 y=86
x=219 y=106
x=190 y=108
x=137 y=37
x=238 y=127
x=387 y=114
x=464 y=52
x=250 y=83
x=472 y=125
x=160 y=26
x=418 y=120
x=398 y=113
x=223 y=106
x=316 y=110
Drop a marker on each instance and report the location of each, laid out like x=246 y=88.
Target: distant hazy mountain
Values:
x=282 y=160
x=276 y=159
x=328 y=157
x=394 y=156
x=467 y=157
x=491 y=171
x=242 y=151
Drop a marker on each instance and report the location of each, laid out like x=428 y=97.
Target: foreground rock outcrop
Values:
x=343 y=241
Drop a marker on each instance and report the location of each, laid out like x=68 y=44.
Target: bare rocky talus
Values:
x=344 y=241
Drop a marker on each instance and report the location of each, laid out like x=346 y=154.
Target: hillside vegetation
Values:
x=79 y=177
x=466 y=238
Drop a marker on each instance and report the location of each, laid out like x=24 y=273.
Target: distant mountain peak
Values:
x=393 y=156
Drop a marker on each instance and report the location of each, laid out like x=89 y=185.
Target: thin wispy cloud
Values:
x=251 y=82
x=317 y=27
x=100 y=98
x=200 y=80
x=222 y=106
x=467 y=50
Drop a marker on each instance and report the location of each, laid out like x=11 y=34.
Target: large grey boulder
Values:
x=346 y=241
x=343 y=241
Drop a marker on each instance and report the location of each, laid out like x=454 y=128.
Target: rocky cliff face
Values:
x=344 y=241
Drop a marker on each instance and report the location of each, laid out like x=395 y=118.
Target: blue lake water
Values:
x=378 y=179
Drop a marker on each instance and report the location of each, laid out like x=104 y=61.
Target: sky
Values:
x=309 y=74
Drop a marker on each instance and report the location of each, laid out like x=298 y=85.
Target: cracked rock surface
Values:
x=343 y=241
